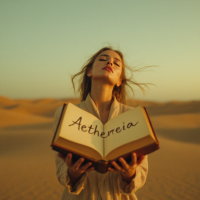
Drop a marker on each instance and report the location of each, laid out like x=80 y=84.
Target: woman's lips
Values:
x=108 y=68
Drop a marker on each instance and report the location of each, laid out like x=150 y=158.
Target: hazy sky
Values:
x=42 y=42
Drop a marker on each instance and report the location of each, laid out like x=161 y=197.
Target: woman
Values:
x=102 y=88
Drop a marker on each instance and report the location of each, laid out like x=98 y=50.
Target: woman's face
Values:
x=107 y=66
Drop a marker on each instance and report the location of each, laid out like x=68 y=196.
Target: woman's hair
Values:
x=84 y=82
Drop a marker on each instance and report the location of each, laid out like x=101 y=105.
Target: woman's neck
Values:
x=101 y=94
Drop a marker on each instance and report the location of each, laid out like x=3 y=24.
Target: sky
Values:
x=43 y=42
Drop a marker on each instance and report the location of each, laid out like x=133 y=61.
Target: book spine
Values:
x=102 y=166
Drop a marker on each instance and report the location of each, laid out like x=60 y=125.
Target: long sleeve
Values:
x=137 y=182
x=62 y=169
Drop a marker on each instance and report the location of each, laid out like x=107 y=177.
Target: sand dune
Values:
x=40 y=109
x=27 y=111
x=6 y=102
x=174 y=108
x=27 y=161
x=172 y=115
x=179 y=121
x=10 y=118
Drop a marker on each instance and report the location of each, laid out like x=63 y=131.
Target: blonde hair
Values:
x=84 y=82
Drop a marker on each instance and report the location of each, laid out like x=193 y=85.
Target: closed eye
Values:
x=101 y=59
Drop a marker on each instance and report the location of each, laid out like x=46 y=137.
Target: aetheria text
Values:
x=94 y=130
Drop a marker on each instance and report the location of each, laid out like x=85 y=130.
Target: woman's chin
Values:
x=104 y=80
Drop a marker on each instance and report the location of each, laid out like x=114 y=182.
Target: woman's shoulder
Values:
x=124 y=107
x=81 y=105
x=59 y=109
x=58 y=112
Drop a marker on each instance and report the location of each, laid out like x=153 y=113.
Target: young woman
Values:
x=102 y=89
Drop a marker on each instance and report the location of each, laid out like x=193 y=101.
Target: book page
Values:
x=130 y=147
x=81 y=127
x=125 y=128
x=78 y=149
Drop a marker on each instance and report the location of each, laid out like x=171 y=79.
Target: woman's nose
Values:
x=109 y=63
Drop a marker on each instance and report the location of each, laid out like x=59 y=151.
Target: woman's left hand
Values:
x=127 y=170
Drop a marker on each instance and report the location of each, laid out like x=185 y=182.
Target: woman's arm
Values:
x=131 y=176
x=64 y=178
x=75 y=170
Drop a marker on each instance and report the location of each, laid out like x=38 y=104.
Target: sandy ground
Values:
x=27 y=169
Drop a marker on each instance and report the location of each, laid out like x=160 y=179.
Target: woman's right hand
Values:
x=75 y=169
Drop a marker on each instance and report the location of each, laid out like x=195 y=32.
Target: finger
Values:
x=116 y=166
x=141 y=158
x=61 y=156
x=111 y=169
x=78 y=164
x=90 y=169
x=133 y=159
x=85 y=167
x=124 y=164
x=69 y=160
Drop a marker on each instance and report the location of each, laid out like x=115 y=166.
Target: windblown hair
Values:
x=84 y=82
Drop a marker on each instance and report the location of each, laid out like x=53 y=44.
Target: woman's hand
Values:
x=75 y=170
x=127 y=170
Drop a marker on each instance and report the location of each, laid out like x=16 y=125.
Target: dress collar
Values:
x=94 y=110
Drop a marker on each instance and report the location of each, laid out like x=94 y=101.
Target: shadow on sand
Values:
x=182 y=135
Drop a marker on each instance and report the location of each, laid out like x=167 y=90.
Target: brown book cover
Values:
x=102 y=165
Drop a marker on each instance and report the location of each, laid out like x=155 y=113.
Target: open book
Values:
x=84 y=135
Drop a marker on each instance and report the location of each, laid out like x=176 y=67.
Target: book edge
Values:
x=151 y=124
x=64 y=105
x=74 y=152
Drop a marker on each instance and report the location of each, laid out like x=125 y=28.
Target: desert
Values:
x=27 y=160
